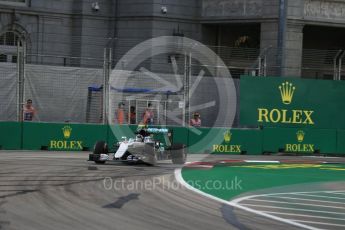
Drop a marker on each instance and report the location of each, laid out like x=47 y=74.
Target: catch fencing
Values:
x=175 y=83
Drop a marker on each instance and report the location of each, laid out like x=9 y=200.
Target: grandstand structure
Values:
x=302 y=37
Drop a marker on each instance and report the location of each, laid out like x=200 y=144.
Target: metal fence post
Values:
x=21 y=60
x=340 y=65
x=106 y=72
x=20 y=79
x=104 y=80
x=283 y=6
x=339 y=70
x=184 y=90
x=265 y=66
x=259 y=65
x=106 y=85
x=335 y=65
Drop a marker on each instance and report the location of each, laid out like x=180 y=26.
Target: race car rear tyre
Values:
x=100 y=147
x=178 y=153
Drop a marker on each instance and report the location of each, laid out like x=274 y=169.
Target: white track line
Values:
x=330 y=197
x=318 y=223
x=304 y=215
x=294 y=209
x=284 y=202
x=337 y=193
x=238 y=200
x=295 y=198
x=180 y=179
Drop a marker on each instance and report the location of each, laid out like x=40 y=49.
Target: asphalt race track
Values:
x=61 y=190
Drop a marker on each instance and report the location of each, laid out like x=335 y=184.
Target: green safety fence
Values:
x=77 y=137
x=341 y=142
x=10 y=135
x=66 y=136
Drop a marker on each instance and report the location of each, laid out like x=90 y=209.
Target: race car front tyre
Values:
x=178 y=153
x=95 y=158
x=100 y=162
x=99 y=148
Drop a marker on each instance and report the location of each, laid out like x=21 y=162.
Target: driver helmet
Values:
x=139 y=138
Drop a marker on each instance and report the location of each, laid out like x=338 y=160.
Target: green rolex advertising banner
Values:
x=61 y=137
x=228 y=141
x=292 y=102
x=294 y=140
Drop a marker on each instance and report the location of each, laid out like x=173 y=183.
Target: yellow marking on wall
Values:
x=334 y=169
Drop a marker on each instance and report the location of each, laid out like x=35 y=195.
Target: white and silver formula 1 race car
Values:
x=148 y=146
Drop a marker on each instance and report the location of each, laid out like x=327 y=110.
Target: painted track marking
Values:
x=318 y=223
x=325 y=197
x=294 y=209
x=331 y=197
x=179 y=178
x=303 y=215
x=308 y=215
x=284 y=202
x=337 y=193
x=295 y=198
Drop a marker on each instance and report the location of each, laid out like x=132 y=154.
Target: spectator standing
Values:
x=132 y=116
x=120 y=114
x=29 y=111
x=148 y=115
x=196 y=120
